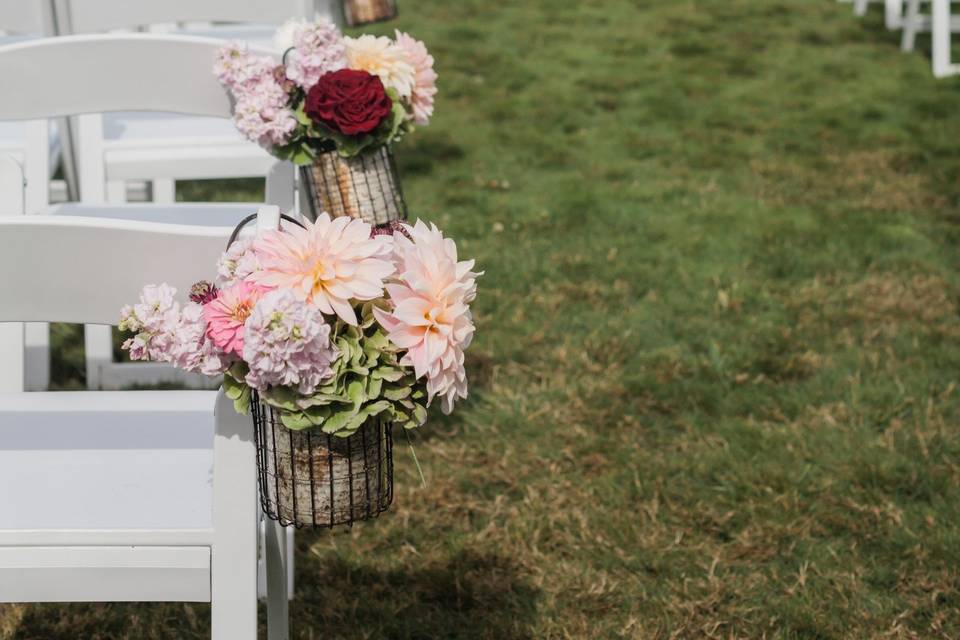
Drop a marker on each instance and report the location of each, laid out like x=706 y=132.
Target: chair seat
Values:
x=206 y=214
x=106 y=460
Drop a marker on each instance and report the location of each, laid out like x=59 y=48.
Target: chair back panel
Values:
x=73 y=75
x=83 y=270
x=25 y=16
x=86 y=16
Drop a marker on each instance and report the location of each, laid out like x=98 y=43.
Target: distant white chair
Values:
x=941 y=24
x=85 y=69
x=893 y=11
x=12 y=373
x=160 y=147
x=120 y=496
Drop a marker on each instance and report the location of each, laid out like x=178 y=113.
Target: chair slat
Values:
x=97 y=73
x=85 y=269
x=101 y=15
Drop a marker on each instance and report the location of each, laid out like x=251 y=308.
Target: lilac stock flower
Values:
x=237 y=263
x=287 y=343
x=165 y=332
x=312 y=49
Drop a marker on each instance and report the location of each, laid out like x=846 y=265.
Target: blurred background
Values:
x=714 y=381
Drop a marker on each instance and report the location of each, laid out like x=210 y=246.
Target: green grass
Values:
x=714 y=385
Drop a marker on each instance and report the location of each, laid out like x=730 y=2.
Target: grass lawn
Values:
x=714 y=385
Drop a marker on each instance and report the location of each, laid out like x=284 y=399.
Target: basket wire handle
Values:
x=267 y=217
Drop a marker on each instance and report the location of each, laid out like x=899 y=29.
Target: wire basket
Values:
x=313 y=479
x=357 y=13
x=366 y=186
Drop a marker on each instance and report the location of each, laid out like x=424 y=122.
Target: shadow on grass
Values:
x=465 y=596
x=420 y=159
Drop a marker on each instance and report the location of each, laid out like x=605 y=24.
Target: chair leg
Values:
x=941 y=27
x=278 y=617
x=97 y=351
x=860 y=7
x=36 y=342
x=911 y=24
x=12 y=357
x=233 y=570
x=893 y=14
x=116 y=191
x=164 y=190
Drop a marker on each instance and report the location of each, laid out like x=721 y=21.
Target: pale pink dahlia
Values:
x=430 y=318
x=226 y=314
x=329 y=263
x=287 y=344
x=425 y=78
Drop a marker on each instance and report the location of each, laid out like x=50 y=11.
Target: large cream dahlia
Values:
x=430 y=318
x=382 y=57
x=329 y=263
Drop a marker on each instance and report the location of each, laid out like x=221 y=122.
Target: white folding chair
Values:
x=11 y=333
x=893 y=11
x=77 y=74
x=164 y=148
x=120 y=496
x=941 y=24
x=85 y=68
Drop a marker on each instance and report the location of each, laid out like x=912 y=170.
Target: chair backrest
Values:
x=83 y=270
x=73 y=75
x=86 y=16
x=27 y=16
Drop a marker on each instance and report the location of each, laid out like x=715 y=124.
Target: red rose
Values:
x=348 y=101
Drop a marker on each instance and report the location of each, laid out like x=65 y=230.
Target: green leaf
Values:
x=295 y=421
x=374 y=386
x=356 y=392
x=396 y=393
x=337 y=421
x=389 y=374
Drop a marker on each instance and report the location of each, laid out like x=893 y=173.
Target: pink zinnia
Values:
x=226 y=314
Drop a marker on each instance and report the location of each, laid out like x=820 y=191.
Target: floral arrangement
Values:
x=330 y=91
x=331 y=324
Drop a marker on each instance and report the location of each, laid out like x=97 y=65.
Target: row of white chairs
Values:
x=921 y=16
x=123 y=496
x=69 y=528
x=111 y=150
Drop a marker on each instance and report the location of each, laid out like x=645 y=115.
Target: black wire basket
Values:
x=366 y=186
x=357 y=13
x=312 y=479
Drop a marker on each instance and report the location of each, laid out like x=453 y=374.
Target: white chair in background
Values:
x=11 y=333
x=941 y=24
x=164 y=148
x=77 y=75
x=120 y=496
x=893 y=11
